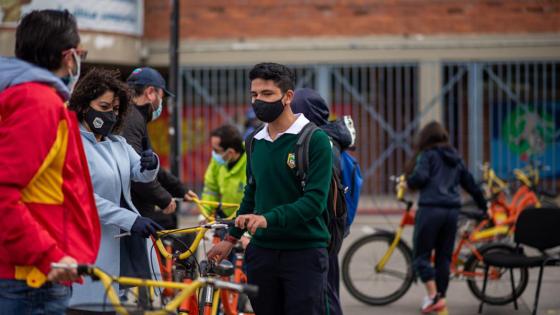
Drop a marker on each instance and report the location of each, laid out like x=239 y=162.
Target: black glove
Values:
x=145 y=227
x=148 y=159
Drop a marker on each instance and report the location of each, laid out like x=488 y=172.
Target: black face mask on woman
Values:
x=268 y=111
x=101 y=123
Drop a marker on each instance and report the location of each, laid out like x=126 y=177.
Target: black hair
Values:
x=283 y=77
x=137 y=90
x=94 y=84
x=42 y=36
x=230 y=137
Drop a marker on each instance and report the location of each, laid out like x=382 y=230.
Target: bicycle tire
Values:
x=378 y=240
x=473 y=264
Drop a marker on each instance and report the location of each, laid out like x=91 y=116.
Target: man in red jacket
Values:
x=46 y=198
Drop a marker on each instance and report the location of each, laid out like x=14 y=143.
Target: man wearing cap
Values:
x=148 y=89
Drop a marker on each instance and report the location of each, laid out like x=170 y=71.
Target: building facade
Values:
x=489 y=70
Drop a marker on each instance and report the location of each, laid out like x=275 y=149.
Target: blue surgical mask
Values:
x=73 y=78
x=218 y=158
x=158 y=110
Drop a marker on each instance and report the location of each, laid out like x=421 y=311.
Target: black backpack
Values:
x=336 y=213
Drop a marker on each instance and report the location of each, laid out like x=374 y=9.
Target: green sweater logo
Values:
x=291 y=160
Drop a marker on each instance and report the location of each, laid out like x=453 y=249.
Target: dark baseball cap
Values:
x=148 y=76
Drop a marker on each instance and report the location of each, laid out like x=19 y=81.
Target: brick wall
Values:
x=238 y=19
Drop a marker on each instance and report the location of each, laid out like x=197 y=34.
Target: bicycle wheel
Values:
x=377 y=287
x=498 y=287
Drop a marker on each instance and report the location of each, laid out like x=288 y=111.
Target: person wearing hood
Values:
x=309 y=103
x=437 y=171
x=46 y=197
x=148 y=88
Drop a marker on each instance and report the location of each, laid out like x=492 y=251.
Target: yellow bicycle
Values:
x=185 y=290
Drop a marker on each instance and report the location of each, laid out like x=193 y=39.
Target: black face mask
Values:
x=101 y=123
x=268 y=111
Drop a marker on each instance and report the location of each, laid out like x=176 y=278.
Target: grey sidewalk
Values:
x=460 y=299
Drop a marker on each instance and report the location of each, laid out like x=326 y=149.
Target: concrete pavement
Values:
x=460 y=299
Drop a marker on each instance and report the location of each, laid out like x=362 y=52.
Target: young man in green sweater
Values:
x=287 y=257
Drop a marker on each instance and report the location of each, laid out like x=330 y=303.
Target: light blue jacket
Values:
x=113 y=163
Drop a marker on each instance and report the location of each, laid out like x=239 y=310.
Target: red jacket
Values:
x=46 y=197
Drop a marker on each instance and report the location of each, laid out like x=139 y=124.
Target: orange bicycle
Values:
x=181 y=266
x=377 y=268
x=502 y=211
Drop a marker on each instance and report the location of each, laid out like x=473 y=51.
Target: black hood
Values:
x=338 y=132
x=311 y=105
x=449 y=155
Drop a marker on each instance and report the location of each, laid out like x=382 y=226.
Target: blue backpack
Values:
x=352 y=181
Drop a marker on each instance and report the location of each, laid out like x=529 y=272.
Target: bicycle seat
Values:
x=224 y=269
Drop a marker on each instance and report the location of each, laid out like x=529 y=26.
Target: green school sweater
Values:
x=294 y=217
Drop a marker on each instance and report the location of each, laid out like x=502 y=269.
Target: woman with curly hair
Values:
x=100 y=101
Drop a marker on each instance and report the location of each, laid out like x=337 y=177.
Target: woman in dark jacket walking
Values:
x=437 y=171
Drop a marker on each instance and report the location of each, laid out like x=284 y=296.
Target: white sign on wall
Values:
x=115 y=16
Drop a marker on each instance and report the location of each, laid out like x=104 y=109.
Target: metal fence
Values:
x=517 y=111
x=503 y=112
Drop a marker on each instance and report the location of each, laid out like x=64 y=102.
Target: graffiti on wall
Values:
x=523 y=133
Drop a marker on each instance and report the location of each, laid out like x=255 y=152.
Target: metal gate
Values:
x=516 y=107
x=481 y=104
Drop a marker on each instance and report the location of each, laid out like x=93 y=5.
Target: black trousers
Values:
x=435 y=230
x=290 y=281
x=333 y=286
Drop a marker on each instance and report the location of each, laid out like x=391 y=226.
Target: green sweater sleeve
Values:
x=247 y=207
x=314 y=199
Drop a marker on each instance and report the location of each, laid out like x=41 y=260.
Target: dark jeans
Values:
x=435 y=230
x=290 y=281
x=17 y=298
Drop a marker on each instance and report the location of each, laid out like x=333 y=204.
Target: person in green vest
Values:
x=225 y=178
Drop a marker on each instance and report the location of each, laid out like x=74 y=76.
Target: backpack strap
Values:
x=302 y=152
x=249 y=150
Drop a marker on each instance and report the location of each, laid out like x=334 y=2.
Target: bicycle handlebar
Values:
x=249 y=289
x=216 y=205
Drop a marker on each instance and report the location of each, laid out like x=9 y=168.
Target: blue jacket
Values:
x=438 y=174
x=113 y=164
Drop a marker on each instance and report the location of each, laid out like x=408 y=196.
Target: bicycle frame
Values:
x=189 y=305
x=478 y=234
x=407 y=219
x=229 y=298
x=502 y=211
x=186 y=290
x=469 y=238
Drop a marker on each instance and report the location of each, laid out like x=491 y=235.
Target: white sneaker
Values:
x=427 y=301
x=433 y=305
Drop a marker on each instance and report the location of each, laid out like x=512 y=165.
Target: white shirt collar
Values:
x=294 y=129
